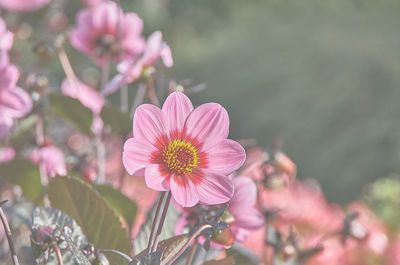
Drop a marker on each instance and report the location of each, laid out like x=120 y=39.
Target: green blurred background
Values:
x=323 y=76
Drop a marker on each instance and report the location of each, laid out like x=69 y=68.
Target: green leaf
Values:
x=66 y=228
x=73 y=111
x=122 y=204
x=98 y=220
x=225 y=261
x=119 y=122
x=22 y=133
x=25 y=174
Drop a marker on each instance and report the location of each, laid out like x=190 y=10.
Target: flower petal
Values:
x=177 y=108
x=250 y=219
x=209 y=124
x=245 y=194
x=185 y=193
x=214 y=188
x=136 y=155
x=149 y=123
x=155 y=180
x=226 y=157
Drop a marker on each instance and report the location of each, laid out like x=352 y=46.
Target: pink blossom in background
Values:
x=92 y=3
x=105 y=32
x=132 y=69
x=304 y=206
x=23 y=5
x=370 y=232
x=184 y=150
x=51 y=158
x=6 y=154
x=246 y=218
x=89 y=97
x=242 y=207
x=14 y=101
x=393 y=256
x=6 y=36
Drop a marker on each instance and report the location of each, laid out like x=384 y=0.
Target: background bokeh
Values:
x=322 y=76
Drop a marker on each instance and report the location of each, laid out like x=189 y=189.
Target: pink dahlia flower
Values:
x=23 y=5
x=105 y=32
x=51 y=159
x=6 y=36
x=184 y=150
x=132 y=69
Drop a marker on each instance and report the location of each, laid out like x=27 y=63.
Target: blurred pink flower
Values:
x=247 y=217
x=105 y=32
x=6 y=36
x=304 y=206
x=369 y=231
x=393 y=256
x=132 y=69
x=184 y=150
x=89 y=97
x=23 y=5
x=14 y=101
x=6 y=154
x=51 y=159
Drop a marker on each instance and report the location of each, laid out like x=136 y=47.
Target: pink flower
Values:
x=6 y=154
x=184 y=150
x=51 y=159
x=89 y=97
x=23 y=5
x=105 y=32
x=247 y=217
x=132 y=69
x=14 y=101
x=91 y=3
x=6 y=36
x=393 y=256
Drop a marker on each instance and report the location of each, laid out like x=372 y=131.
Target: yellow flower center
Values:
x=180 y=156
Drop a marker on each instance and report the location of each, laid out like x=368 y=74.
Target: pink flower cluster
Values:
x=23 y=5
x=14 y=101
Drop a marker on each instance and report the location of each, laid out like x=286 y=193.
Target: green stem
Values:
x=9 y=237
x=161 y=223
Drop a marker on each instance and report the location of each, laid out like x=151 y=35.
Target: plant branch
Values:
x=187 y=244
x=161 y=223
x=9 y=237
x=139 y=98
x=155 y=221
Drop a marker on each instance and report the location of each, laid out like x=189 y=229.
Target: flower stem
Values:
x=187 y=244
x=139 y=98
x=152 y=93
x=191 y=254
x=58 y=254
x=124 y=99
x=101 y=160
x=9 y=237
x=44 y=178
x=155 y=220
x=161 y=223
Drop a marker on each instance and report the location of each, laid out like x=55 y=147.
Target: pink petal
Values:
x=149 y=123
x=5 y=124
x=214 y=188
x=209 y=124
x=186 y=194
x=153 y=49
x=226 y=157
x=136 y=155
x=166 y=55
x=105 y=17
x=9 y=76
x=15 y=102
x=245 y=194
x=250 y=219
x=177 y=108
x=155 y=180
